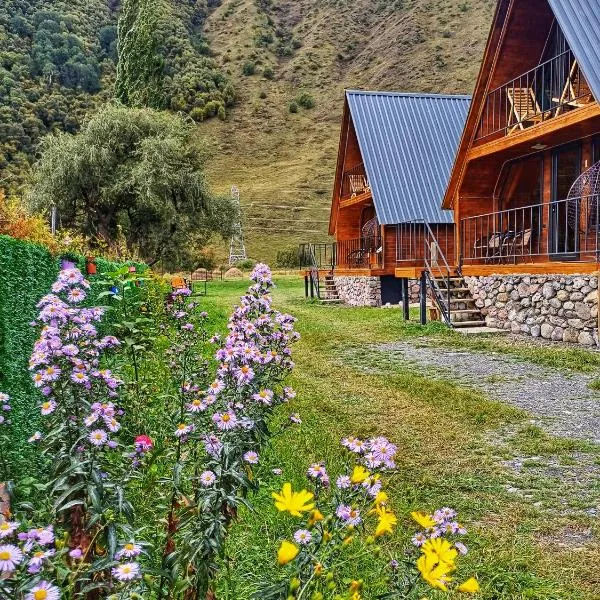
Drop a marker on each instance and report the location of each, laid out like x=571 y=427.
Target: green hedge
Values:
x=26 y=273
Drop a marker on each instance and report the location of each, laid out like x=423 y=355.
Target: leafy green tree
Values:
x=140 y=70
x=137 y=173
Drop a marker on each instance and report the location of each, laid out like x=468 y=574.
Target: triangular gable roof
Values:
x=579 y=21
x=408 y=143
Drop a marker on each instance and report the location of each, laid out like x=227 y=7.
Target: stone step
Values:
x=460 y=311
x=459 y=300
x=463 y=324
x=330 y=300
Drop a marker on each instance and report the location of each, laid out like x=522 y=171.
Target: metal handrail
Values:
x=430 y=242
x=539 y=94
x=567 y=228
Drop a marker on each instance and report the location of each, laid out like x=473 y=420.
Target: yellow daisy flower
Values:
x=441 y=550
x=423 y=519
x=470 y=586
x=287 y=552
x=295 y=503
x=359 y=474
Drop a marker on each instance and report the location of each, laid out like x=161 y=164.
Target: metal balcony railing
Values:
x=546 y=91
x=561 y=230
x=360 y=253
x=410 y=236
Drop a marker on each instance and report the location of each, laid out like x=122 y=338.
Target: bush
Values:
x=268 y=73
x=263 y=95
x=245 y=265
x=249 y=68
x=305 y=100
x=288 y=258
x=293 y=107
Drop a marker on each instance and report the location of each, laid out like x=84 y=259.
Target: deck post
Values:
x=405 y=299
x=306 y=286
x=423 y=298
x=312 y=288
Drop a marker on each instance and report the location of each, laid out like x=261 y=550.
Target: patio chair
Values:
x=520 y=244
x=576 y=92
x=524 y=109
x=358 y=184
x=489 y=246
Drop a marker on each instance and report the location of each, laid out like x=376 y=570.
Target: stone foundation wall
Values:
x=554 y=307
x=359 y=291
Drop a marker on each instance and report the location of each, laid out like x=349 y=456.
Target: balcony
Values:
x=565 y=230
x=412 y=239
x=361 y=253
x=355 y=183
x=551 y=89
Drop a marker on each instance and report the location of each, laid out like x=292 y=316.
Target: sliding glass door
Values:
x=564 y=215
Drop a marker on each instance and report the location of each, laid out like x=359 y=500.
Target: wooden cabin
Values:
x=395 y=154
x=525 y=186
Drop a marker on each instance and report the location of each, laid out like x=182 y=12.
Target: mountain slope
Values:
x=249 y=62
x=282 y=160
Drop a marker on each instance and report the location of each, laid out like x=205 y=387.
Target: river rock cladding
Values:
x=359 y=291
x=555 y=307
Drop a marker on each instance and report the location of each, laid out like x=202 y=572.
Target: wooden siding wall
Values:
x=469 y=206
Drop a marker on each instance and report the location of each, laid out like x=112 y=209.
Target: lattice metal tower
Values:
x=237 y=249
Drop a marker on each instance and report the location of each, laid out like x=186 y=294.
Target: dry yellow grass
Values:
x=280 y=159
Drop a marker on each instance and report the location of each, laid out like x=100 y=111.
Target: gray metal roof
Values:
x=580 y=22
x=408 y=144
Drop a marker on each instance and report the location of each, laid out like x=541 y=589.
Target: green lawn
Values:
x=446 y=457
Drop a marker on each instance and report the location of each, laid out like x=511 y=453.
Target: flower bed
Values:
x=151 y=440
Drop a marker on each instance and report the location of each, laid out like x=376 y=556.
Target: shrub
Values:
x=268 y=73
x=245 y=265
x=262 y=95
x=305 y=100
x=293 y=107
x=249 y=68
x=288 y=258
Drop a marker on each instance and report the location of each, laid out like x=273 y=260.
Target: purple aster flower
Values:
x=207 y=478
x=126 y=571
x=98 y=437
x=225 y=421
x=251 y=457
x=303 y=537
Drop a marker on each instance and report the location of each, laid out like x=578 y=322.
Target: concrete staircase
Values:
x=462 y=309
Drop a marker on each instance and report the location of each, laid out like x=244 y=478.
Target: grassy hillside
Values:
x=57 y=63
x=282 y=160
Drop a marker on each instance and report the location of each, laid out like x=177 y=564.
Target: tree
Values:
x=140 y=70
x=137 y=173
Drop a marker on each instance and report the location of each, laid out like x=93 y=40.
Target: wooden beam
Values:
x=545 y=268
x=534 y=133
x=358 y=199
x=408 y=272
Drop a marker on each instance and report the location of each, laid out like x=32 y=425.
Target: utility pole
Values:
x=237 y=249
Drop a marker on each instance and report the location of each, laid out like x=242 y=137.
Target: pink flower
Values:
x=225 y=421
x=144 y=443
x=48 y=407
x=251 y=457
x=98 y=437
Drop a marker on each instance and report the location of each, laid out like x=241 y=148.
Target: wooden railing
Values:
x=354 y=182
x=360 y=253
x=546 y=91
x=562 y=230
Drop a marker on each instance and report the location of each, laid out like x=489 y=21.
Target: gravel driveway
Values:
x=561 y=402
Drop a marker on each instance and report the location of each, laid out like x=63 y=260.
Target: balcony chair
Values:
x=518 y=244
x=358 y=184
x=576 y=92
x=524 y=108
x=488 y=247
